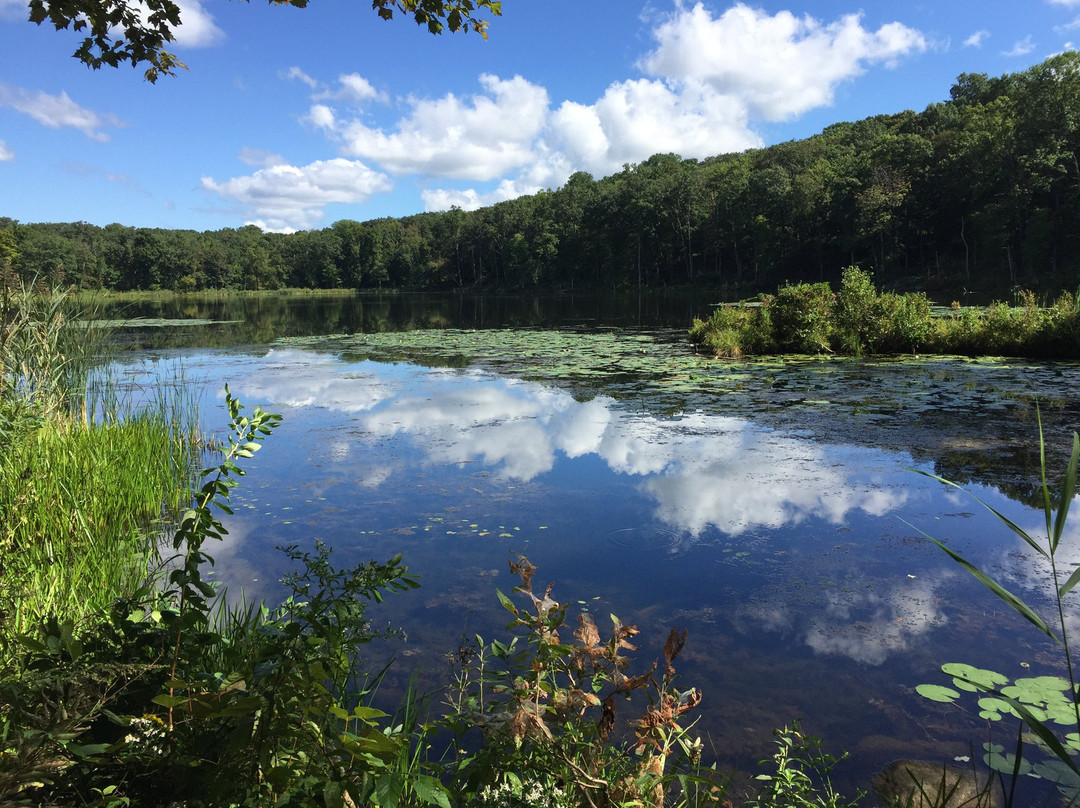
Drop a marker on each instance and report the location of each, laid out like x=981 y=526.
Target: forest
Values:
x=981 y=191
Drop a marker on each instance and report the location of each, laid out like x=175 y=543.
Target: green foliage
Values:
x=1043 y=701
x=45 y=353
x=802 y=317
x=800 y=775
x=546 y=711
x=730 y=331
x=858 y=318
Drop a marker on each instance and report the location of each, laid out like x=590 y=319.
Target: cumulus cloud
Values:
x=478 y=138
x=5 y=152
x=779 y=65
x=704 y=84
x=197 y=28
x=976 y=39
x=286 y=197
x=57 y=111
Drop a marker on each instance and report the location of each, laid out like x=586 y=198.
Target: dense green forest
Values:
x=982 y=190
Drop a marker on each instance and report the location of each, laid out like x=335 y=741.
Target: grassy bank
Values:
x=859 y=320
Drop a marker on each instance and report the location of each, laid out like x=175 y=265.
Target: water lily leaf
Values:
x=992 y=708
x=968 y=677
x=937 y=693
x=1005 y=763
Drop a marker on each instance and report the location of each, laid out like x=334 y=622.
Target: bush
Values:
x=730 y=332
x=802 y=317
x=858 y=316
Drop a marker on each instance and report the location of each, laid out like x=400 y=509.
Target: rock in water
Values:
x=924 y=784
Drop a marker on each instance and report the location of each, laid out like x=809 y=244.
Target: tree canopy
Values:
x=118 y=31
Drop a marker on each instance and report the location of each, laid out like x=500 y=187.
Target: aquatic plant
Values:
x=1049 y=706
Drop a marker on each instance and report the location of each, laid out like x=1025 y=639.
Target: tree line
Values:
x=981 y=190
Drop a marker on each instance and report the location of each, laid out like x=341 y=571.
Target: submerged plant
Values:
x=1049 y=706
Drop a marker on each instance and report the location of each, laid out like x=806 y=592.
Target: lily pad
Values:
x=940 y=693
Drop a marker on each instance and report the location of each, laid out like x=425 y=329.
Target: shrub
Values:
x=906 y=322
x=858 y=317
x=802 y=317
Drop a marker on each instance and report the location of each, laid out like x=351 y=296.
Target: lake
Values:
x=769 y=507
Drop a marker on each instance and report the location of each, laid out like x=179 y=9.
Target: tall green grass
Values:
x=86 y=475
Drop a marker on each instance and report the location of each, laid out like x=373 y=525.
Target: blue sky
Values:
x=294 y=118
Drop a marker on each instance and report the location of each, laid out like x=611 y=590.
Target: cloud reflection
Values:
x=702 y=471
x=866 y=625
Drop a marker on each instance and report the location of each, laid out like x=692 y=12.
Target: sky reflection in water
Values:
x=785 y=557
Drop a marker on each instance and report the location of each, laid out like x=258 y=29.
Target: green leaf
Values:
x=937 y=693
x=507 y=603
x=388 y=789
x=1068 y=491
x=333 y=795
x=431 y=791
x=169 y=701
x=968 y=677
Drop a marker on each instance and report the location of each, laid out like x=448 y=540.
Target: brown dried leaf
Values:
x=672 y=648
x=606 y=723
x=525 y=570
x=624 y=684
x=586 y=633
x=689 y=702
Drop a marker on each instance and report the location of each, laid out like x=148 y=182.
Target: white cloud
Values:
x=976 y=39
x=57 y=111
x=295 y=73
x=636 y=119
x=779 y=65
x=353 y=89
x=197 y=28
x=321 y=116
x=287 y=197
x=5 y=152
x=1022 y=48
x=1065 y=2
x=480 y=138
